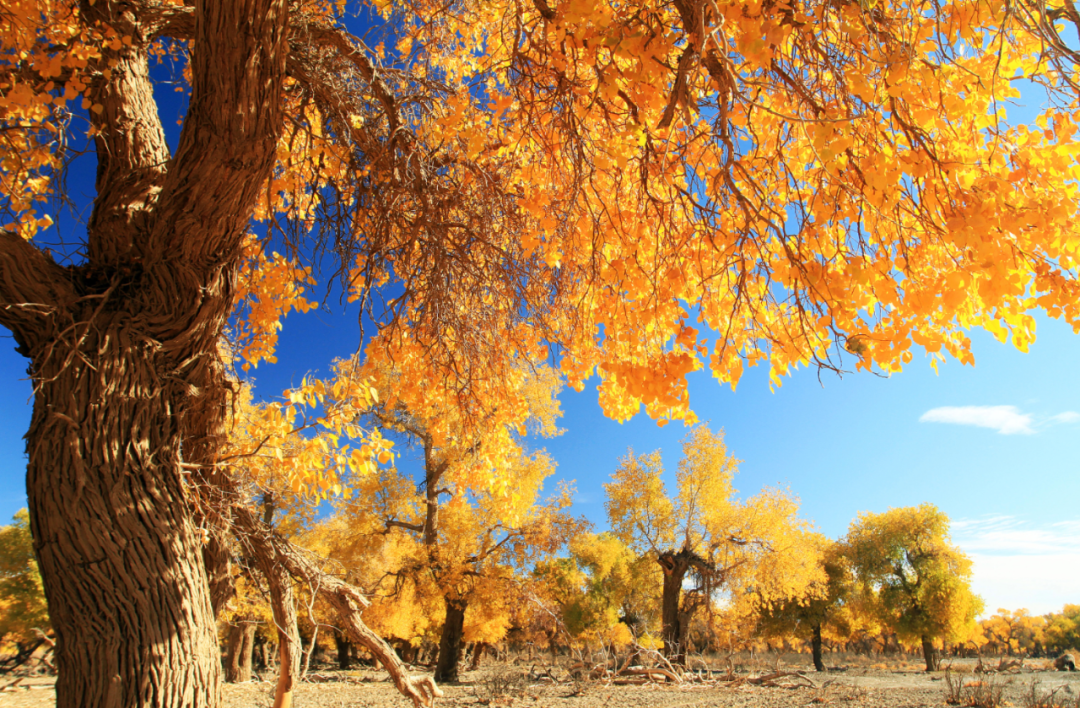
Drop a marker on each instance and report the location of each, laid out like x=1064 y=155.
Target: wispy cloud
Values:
x=1018 y=564
x=1008 y=535
x=1007 y=420
x=1067 y=417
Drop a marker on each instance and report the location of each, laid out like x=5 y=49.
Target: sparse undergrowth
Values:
x=1061 y=696
x=985 y=692
x=501 y=687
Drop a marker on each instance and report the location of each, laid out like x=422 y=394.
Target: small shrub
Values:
x=1054 y=698
x=501 y=687
x=954 y=688
x=987 y=692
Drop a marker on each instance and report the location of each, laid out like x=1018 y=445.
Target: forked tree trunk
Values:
x=240 y=651
x=446 y=668
x=815 y=646
x=345 y=599
x=128 y=393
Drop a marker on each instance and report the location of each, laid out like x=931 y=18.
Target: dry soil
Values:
x=521 y=687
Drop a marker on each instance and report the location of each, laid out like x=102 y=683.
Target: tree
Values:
x=822 y=603
x=921 y=583
x=241 y=617
x=473 y=512
x=604 y=591
x=1010 y=632
x=1063 y=628
x=279 y=473
x=816 y=182
x=732 y=546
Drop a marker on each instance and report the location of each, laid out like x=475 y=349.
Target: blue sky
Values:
x=996 y=446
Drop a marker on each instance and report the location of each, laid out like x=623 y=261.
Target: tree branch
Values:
x=32 y=288
x=228 y=142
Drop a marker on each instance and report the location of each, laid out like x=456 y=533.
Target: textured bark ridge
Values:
x=129 y=393
x=119 y=554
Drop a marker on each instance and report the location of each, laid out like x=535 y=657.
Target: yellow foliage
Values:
x=917 y=581
x=756 y=544
x=816 y=185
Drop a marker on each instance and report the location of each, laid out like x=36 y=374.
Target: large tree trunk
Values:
x=128 y=383
x=120 y=558
x=446 y=668
x=675 y=622
x=815 y=646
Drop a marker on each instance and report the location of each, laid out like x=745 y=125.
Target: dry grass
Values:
x=1057 y=697
x=985 y=692
x=501 y=687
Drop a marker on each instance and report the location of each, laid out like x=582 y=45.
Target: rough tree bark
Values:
x=282 y=604
x=129 y=392
x=450 y=642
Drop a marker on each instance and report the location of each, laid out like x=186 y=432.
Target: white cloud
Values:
x=1067 y=417
x=1007 y=420
x=1020 y=565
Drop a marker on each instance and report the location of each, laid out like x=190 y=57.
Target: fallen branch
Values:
x=651 y=673
x=347 y=601
x=773 y=678
x=13 y=684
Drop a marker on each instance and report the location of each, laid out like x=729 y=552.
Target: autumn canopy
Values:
x=817 y=182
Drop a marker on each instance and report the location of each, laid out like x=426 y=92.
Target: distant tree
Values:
x=605 y=592
x=1014 y=632
x=473 y=513
x=23 y=614
x=1063 y=628
x=727 y=545
x=239 y=620
x=919 y=582
x=806 y=616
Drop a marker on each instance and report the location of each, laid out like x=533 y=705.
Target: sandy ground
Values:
x=511 y=686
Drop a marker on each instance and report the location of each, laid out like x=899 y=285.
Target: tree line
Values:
x=450 y=569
